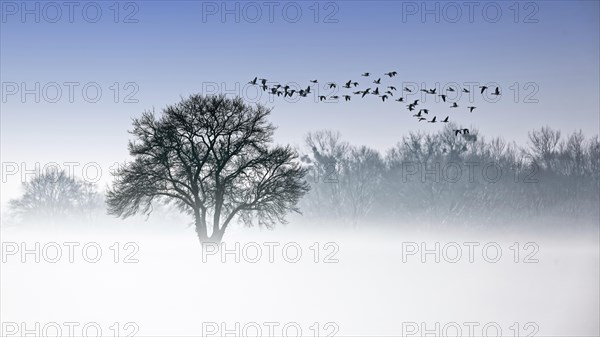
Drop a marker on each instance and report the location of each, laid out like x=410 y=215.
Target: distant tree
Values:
x=326 y=152
x=360 y=179
x=543 y=145
x=212 y=157
x=55 y=196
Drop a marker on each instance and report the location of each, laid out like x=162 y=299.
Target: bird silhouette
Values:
x=384 y=97
x=321 y=98
x=450 y=89
x=411 y=107
x=406 y=89
x=496 y=92
x=366 y=74
x=389 y=92
x=457 y=132
x=392 y=88
x=465 y=90
x=417 y=114
x=465 y=131
x=314 y=81
x=454 y=105
x=432 y=120
x=483 y=88
x=401 y=99
x=347 y=85
x=445 y=120
x=332 y=85
x=335 y=97
x=377 y=81
x=391 y=74
x=366 y=92
x=347 y=98
x=376 y=92
x=425 y=111
x=471 y=108
x=422 y=119
x=253 y=82
x=443 y=97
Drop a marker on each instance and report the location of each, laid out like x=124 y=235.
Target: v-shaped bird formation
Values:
x=351 y=88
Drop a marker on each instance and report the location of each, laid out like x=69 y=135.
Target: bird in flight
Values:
x=443 y=97
x=445 y=120
x=253 y=82
x=377 y=81
x=432 y=120
x=314 y=81
x=422 y=119
x=401 y=99
x=417 y=114
x=411 y=107
x=454 y=105
x=383 y=97
x=483 y=88
x=450 y=89
x=471 y=108
x=416 y=102
x=496 y=92
x=406 y=89
x=332 y=85
x=425 y=111
x=366 y=92
x=321 y=98
x=391 y=74
x=347 y=97
x=465 y=90
x=392 y=88
x=366 y=74
x=389 y=92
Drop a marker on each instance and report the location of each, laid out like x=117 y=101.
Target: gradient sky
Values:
x=177 y=48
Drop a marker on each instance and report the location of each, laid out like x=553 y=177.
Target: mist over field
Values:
x=291 y=168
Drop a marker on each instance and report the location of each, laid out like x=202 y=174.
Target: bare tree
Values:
x=211 y=156
x=543 y=143
x=360 y=178
x=53 y=196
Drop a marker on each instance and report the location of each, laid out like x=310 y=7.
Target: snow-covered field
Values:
x=291 y=280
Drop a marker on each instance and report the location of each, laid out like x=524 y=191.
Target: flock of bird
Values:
x=287 y=91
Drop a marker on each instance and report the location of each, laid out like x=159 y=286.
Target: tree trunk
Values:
x=201 y=229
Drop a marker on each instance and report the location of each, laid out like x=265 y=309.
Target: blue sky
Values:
x=177 y=48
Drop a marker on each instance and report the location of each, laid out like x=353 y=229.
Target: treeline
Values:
x=444 y=178
x=427 y=178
